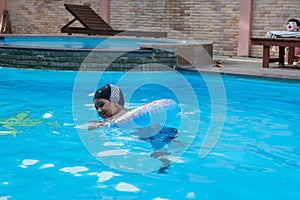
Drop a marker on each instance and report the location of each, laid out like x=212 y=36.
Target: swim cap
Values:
x=111 y=93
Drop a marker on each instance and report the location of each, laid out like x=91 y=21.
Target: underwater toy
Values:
x=19 y=119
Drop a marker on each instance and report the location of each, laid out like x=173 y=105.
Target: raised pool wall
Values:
x=75 y=59
x=147 y=57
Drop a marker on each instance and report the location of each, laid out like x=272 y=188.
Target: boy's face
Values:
x=292 y=26
x=105 y=108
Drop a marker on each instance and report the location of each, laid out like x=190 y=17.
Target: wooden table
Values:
x=282 y=43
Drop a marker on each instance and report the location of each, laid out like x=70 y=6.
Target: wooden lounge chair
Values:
x=5 y=23
x=93 y=24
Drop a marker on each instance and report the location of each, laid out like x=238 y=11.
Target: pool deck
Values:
x=252 y=67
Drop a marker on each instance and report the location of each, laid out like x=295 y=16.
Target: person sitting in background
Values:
x=294 y=25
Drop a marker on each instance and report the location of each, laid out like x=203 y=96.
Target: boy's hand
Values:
x=95 y=124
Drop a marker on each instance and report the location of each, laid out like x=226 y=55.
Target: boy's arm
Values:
x=95 y=124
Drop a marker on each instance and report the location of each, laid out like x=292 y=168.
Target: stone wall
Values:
x=75 y=59
x=215 y=20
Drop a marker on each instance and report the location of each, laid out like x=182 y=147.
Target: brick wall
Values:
x=215 y=20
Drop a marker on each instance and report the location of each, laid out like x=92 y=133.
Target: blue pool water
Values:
x=46 y=155
x=80 y=42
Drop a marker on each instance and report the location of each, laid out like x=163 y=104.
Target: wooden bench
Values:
x=282 y=43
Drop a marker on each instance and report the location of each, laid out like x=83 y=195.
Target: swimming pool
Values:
x=45 y=157
x=81 y=42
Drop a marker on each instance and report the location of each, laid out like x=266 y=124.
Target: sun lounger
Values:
x=93 y=24
x=5 y=23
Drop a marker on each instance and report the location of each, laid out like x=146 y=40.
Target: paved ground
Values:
x=252 y=66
